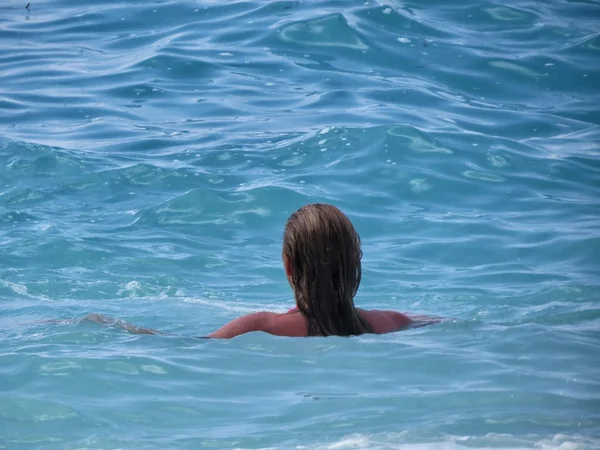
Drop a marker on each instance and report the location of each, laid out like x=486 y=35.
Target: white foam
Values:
x=393 y=441
x=514 y=68
x=475 y=175
x=504 y=13
x=419 y=185
x=319 y=33
x=60 y=366
x=132 y=288
x=293 y=161
x=262 y=212
x=238 y=308
x=15 y=287
x=497 y=160
x=417 y=143
x=152 y=368
x=122 y=367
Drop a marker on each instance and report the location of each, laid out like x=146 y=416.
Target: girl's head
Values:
x=321 y=255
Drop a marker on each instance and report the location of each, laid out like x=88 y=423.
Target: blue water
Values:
x=151 y=152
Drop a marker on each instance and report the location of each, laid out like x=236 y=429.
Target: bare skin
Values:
x=290 y=324
x=293 y=324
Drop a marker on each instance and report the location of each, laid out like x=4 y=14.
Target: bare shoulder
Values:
x=268 y=322
x=259 y=321
x=289 y=324
x=386 y=321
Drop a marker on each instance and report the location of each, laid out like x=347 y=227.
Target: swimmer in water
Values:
x=321 y=259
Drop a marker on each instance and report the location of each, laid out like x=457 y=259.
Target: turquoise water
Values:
x=150 y=153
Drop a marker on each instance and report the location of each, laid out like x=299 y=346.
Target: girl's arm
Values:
x=260 y=321
x=421 y=321
x=104 y=320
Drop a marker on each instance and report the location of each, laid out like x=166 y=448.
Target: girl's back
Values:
x=293 y=323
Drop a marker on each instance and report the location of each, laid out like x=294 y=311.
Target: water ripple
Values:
x=151 y=153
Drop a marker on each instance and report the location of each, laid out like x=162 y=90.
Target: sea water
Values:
x=151 y=152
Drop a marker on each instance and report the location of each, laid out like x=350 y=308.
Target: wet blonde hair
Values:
x=324 y=251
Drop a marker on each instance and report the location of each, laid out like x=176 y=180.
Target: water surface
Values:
x=150 y=153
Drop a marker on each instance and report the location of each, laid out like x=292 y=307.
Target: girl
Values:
x=321 y=258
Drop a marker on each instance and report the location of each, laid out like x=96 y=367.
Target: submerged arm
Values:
x=260 y=321
x=412 y=320
x=421 y=320
x=104 y=320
